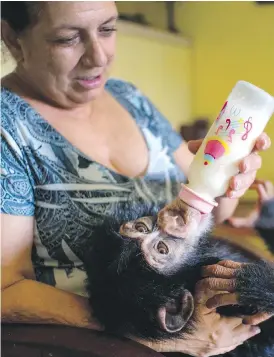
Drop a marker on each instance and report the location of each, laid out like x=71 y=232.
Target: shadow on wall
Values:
x=197 y=130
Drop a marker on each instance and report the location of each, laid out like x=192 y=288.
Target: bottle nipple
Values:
x=195 y=200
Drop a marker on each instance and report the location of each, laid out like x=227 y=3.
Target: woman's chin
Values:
x=82 y=97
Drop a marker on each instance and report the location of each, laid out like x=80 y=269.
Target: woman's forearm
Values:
x=29 y=301
x=185 y=346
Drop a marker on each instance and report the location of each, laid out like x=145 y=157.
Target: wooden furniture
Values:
x=195 y=130
x=19 y=340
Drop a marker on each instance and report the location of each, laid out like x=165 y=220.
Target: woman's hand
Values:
x=248 y=167
x=265 y=192
x=212 y=334
x=215 y=334
x=241 y=182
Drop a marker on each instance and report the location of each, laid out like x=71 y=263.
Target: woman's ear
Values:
x=11 y=40
x=174 y=316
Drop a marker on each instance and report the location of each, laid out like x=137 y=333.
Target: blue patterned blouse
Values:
x=44 y=176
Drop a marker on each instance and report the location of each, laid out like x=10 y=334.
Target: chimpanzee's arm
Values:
x=249 y=284
x=265 y=224
x=255 y=285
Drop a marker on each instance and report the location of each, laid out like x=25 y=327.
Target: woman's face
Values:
x=67 y=53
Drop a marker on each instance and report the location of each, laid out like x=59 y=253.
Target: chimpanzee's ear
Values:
x=174 y=316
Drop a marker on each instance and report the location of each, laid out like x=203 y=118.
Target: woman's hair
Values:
x=20 y=15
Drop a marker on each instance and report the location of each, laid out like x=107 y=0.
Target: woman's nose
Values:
x=95 y=55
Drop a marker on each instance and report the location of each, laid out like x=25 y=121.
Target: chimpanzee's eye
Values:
x=162 y=248
x=141 y=227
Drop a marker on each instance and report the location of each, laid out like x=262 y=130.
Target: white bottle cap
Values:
x=252 y=97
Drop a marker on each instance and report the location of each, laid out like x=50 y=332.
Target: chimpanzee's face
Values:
x=166 y=241
x=136 y=268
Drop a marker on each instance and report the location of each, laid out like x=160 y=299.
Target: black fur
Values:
x=125 y=293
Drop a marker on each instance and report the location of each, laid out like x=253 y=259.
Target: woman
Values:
x=66 y=161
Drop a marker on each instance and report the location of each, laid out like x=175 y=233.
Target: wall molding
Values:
x=132 y=29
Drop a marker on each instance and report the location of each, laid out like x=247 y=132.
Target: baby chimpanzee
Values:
x=141 y=277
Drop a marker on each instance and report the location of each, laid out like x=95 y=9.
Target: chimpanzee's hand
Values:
x=265 y=192
x=242 y=284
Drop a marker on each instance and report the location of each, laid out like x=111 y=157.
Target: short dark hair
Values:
x=20 y=15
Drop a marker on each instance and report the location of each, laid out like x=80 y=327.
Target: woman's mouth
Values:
x=90 y=82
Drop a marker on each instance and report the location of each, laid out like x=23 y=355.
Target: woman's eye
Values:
x=162 y=248
x=107 y=31
x=141 y=227
x=67 y=41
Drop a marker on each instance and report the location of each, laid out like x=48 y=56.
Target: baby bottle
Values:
x=232 y=136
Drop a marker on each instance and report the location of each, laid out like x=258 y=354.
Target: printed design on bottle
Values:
x=222 y=111
x=214 y=149
x=247 y=127
x=226 y=129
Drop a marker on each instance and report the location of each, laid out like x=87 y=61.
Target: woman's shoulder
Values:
x=145 y=113
x=132 y=98
x=9 y=98
x=9 y=108
x=122 y=87
x=12 y=106
x=127 y=94
x=19 y=120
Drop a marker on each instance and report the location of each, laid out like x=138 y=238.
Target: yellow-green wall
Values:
x=159 y=68
x=231 y=41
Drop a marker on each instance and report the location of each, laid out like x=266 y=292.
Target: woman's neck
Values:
x=19 y=85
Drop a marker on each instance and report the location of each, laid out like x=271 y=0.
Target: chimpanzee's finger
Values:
x=265 y=189
x=202 y=294
x=257 y=319
x=262 y=192
x=218 y=284
x=222 y=300
x=269 y=187
x=218 y=271
x=257 y=182
x=231 y=264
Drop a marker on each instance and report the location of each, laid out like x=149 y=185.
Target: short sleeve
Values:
x=17 y=196
x=160 y=126
x=146 y=113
